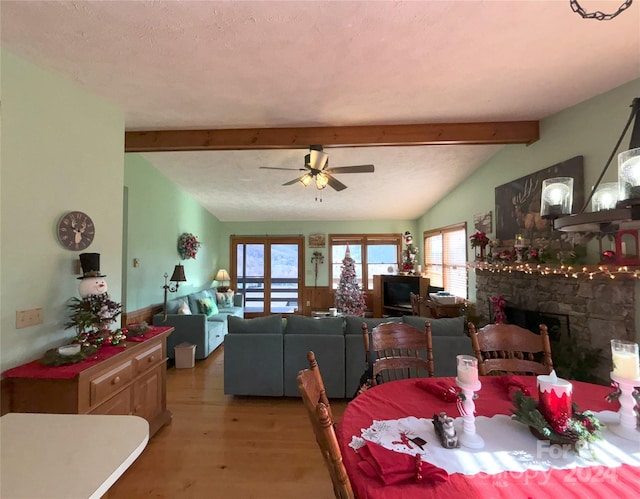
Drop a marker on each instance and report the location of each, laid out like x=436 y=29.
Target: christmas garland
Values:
x=134 y=330
x=54 y=359
x=188 y=246
x=577 y=431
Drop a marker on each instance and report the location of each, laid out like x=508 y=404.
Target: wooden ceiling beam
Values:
x=505 y=132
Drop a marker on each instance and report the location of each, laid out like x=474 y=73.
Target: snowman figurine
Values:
x=92 y=281
x=93 y=289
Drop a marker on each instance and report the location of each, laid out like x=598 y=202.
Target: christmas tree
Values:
x=349 y=298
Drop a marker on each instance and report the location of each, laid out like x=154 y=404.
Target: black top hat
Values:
x=90 y=265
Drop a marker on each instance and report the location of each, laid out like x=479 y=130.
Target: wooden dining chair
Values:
x=415 y=300
x=510 y=349
x=315 y=401
x=398 y=351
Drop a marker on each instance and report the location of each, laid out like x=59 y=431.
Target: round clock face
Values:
x=76 y=231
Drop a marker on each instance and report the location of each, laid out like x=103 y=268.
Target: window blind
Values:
x=445 y=258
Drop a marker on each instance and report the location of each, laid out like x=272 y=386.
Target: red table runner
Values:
x=37 y=370
x=418 y=398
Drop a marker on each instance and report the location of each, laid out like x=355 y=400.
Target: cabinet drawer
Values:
x=118 y=404
x=148 y=358
x=110 y=382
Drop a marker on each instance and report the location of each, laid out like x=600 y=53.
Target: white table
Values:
x=70 y=456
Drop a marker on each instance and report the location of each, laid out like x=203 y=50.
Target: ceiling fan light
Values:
x=322 y=179
x=306 y=180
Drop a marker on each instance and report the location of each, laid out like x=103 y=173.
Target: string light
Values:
x=568 y=271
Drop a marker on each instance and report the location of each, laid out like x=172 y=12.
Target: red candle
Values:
x=554 y=399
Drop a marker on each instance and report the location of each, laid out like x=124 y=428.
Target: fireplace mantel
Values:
x=573 y=271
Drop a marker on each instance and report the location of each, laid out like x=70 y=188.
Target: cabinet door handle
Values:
x=152 y=358
x=137 y=409
x=115 y=380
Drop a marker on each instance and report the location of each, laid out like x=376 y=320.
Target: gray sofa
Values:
x=196 y=328
x=263 y=355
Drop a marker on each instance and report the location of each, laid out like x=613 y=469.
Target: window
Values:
x=373 y=254
x=445 y=258
x=268 y=272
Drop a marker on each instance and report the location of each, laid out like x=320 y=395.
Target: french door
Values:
x=269 y=273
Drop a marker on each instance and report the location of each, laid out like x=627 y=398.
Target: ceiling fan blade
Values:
x=276 y=168
x=336 y=184
x=291 y=182
x=351 y=169
x=317 y=159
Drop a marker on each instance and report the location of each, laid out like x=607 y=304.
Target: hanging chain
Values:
x=600 y=16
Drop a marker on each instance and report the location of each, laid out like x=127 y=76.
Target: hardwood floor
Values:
x=219 y=446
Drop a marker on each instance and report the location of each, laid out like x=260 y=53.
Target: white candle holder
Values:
x=628 y=425
x=469 y=437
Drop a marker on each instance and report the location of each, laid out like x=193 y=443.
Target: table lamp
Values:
x=223 y=276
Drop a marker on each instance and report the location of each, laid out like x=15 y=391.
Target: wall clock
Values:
x=76 y=231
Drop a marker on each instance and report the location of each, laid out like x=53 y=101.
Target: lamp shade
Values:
x=178 y=274
x=557 y=197
x=222 y=276
x=306 y=179
x=322 y=180
x=629 y=175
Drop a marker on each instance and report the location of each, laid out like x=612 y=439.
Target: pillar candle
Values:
x=624 y=355
x=467 y=369
x=554 y=397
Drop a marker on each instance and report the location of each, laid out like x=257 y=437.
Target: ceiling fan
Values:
x=316 y=168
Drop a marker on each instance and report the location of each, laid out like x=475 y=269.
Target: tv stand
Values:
x=389 y=292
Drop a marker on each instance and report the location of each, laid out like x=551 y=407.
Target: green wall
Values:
x=158 y=212
x=589 y=129
x=61 y=150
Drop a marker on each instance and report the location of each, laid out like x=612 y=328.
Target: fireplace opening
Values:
x=557 y=324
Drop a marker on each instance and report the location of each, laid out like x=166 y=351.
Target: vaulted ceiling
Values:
x=195 y=65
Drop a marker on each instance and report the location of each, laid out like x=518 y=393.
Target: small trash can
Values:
x=185 y=355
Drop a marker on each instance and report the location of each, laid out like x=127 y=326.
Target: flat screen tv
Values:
x=397 y=291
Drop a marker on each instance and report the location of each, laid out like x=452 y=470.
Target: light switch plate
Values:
x=26 y=318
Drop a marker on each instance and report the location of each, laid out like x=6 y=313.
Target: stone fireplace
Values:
x=591 y=311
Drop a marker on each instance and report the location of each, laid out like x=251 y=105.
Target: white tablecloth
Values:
x=509 y=446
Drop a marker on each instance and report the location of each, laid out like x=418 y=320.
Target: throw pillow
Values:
x=448 y=326
x=208 y=307
x=225 y=299
x=297 y=324
x=184 y=309
x=269 y=324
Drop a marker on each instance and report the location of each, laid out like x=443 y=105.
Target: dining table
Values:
x=66 y=456
x=482 y=472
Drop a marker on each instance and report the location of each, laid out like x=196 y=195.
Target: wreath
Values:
x=188 y=246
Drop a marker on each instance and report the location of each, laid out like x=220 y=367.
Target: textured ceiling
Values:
x=207 y=64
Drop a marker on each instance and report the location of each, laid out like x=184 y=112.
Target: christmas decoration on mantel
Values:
x=589 y=272
x=349 y=297
x=479 y=241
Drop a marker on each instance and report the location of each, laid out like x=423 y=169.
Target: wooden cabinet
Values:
x=131 y=382
x=391 y=293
